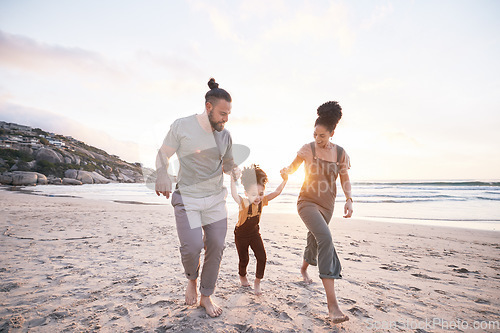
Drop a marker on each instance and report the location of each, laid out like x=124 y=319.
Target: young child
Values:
x=246 y=233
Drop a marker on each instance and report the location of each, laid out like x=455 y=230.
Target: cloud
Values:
x=387 y=85
x=221 y=21
x=52 y=122
x=30 y=55
x=317 y=25
x=379 y=14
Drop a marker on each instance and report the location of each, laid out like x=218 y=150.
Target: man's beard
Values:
x=217 y=126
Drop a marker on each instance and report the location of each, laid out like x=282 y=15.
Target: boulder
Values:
x=122 y=178
x=85 y=177
x=69 y=181
x=41 y=179
x=49 y=155
x=71 y=173
x=20 y=178
x=6 y=178
x=67 y=160
x=55 y=181
x=99 y=179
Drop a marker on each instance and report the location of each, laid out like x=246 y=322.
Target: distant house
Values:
x=57 y=143
x=6 y=142
x=12 y=126
x=30 y=140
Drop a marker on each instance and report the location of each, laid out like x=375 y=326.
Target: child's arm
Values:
x=234 y=190
x=280 y=188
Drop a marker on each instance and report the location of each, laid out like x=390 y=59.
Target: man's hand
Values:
x=163 y=184
x=165 y=193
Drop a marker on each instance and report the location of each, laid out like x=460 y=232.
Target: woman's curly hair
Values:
x=329 y=115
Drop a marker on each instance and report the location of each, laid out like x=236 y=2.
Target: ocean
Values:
x=465 y=204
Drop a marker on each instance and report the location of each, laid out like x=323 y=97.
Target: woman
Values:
x=324 y=161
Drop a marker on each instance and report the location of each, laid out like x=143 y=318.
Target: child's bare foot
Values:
x=305 y=276
x=213 y=310
x=244 y=281
x=303 y=271
x=191 y=293
x=256 y=287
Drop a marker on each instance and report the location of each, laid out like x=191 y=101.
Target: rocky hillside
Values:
x=32 y=156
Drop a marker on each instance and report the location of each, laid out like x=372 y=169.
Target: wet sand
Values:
x=70 y=264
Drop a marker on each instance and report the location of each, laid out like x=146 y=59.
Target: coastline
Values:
x=80 y=265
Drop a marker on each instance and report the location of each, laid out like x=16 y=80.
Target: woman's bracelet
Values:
x=349 y=199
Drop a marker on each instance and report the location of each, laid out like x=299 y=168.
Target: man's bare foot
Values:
x=305 y=276
x=213 y=310
x=191 y=293
x=244 y=281
x=256 y=287
x=337 y=318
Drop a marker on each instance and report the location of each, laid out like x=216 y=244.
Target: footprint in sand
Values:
x=346 y=300
x=359 y=312
x=377 y=285
x=425 y=276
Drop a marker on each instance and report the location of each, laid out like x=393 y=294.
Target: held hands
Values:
x=235 y=173
x=348 y=209
x=284 y=173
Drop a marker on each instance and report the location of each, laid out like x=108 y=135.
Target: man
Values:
x=204 y=149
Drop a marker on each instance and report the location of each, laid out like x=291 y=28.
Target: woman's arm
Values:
x=346 y=186
x=292 y=167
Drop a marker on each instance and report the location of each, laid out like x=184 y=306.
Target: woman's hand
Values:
x=348 y=209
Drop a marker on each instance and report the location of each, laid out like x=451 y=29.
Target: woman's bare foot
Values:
x=213 y=310
x=337 y=318
x=191 y=293
x=244 y=281
x=256 y=287
x=305 y=275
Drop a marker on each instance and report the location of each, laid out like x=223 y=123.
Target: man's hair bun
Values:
x=212 y=84
x=215 y=93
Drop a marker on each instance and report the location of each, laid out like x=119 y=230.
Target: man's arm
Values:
x=163 y=184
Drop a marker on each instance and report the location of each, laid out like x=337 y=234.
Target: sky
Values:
x=418 y=81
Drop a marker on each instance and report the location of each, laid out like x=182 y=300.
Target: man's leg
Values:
x=191 y=243
x=214 y=221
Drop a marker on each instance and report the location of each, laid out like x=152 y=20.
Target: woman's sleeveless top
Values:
x=320 y=185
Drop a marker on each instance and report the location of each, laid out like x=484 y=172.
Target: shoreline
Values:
x=471 y=224
x=81 y=265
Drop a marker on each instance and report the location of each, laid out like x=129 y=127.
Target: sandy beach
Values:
x=78 y=265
